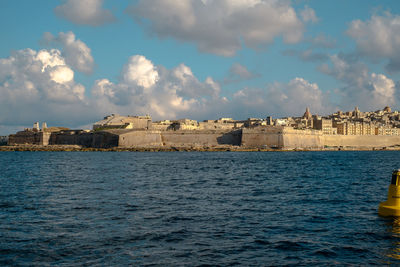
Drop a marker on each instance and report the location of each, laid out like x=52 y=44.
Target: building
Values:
x=185 y=124
x=324 y=125
x=115 y=121
x=270 y=121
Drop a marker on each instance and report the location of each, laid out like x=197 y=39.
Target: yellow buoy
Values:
x=391 y=207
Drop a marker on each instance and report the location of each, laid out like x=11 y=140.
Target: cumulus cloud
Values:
x=220 y=26
x=148 y=89
x=76 y=53
x=361 y=88
x=85 y=12
x=140 y=71
x=288 y=99
x=378 y=39
x=384 y=89
x=177 y=93
x=38 y=84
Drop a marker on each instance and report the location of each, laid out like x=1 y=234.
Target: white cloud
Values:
x=378 y=38
x=367 y=90
x=308 y=14
x=147 y=89
x=177 y=93
x=86 y=12
x=384 y=89
x=220 y=26
x=62 y=74
x=288 y=99
x=38 y=85
x=237 y=73
x=140 y=71
x=76 y=53
x=241 y=71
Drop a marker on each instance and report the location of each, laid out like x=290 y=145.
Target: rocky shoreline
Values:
x=55 y=148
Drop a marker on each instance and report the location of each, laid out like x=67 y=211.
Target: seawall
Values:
x=262 y=137
x=140 y=138
x=360 y=141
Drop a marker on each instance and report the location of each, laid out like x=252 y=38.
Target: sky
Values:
x=72 y=62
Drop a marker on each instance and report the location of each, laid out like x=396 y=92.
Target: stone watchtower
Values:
x=36 y=127
x=44 y=126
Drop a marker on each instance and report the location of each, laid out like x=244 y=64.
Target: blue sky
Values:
x=71 y=62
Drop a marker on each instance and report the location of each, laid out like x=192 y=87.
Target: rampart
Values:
x=289 y=138
x=139 y=138
x=29 y=137
x=264 y=137
x=360 y=141
x=201 y=138
x=302 y=139
x=184 y=138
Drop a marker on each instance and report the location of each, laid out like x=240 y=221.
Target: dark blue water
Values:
x=191 y=209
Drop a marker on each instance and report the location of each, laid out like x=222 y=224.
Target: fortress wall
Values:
x=103 y=139
x=140 y=139
x=263 y=136
x=24 y=137
x=82 y=139
x=160 y=127
x=281 y=137
x=301 y=139
x=44 y=138
x=361 y=141
x=201 y=138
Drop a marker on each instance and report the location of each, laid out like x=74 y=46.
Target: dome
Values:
x=387 y=109
x=307 y=115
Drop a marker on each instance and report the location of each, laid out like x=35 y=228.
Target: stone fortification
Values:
x=281 y=137
x=360 y=141
x=263 y=137
x=30 y=137
x=183 y=138
x=72 y=137
x=302 y=139
x=138 y=138
x=350 y=130
x=3 y=140
x=288 y=138
x=201 y=138
x=123 y=122
x=99 y=139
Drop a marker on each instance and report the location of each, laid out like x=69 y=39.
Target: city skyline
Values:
x=72 y=62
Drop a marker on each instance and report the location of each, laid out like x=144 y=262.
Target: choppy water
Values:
x=190 y=209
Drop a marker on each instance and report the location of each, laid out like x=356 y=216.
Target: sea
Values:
x=196 y=209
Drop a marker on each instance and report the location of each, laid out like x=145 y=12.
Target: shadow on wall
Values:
x=232 y=138
x=3 y=140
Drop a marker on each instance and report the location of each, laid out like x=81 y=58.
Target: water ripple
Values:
x=196 y=209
